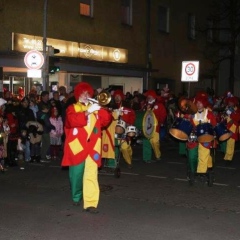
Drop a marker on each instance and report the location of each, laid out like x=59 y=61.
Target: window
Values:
x=126 y=12
x=163 y=19
x=86 y=8
x=192 y=26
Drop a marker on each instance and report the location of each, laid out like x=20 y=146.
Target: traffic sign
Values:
x=34 y=59
x=190 y=71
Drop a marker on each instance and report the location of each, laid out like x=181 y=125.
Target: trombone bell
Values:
x=103 y=98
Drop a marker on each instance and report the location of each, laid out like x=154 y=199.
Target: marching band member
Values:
x=232 y=118
x=160 y=113
x=127 y=115
x=82 y=148
x=199 y=153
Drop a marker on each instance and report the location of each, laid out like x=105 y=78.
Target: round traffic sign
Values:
x=190 y=69
x=34 y=59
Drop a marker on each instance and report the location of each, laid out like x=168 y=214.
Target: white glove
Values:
x=94 y=107
x=229 y=112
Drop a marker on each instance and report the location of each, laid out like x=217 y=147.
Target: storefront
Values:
x=99 y=65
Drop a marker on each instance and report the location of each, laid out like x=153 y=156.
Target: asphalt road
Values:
x=150 y=201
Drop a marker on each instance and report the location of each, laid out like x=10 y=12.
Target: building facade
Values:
x=134 y=45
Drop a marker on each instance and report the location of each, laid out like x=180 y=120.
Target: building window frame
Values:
x=126 y=12
x=86 y=8
x=163 y=19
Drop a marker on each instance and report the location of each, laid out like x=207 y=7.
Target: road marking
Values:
x=221 y=184
x=126 y=173
x=181 y=179
x=152 y=176
x=231 y=168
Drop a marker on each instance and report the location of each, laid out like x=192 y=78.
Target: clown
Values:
x=126 y=115
x=82 y=148
x=160 y=114
x=231 y=117
x=199 y=157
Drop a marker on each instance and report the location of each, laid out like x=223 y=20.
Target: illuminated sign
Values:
x=25 y=43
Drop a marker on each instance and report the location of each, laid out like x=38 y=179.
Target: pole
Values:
x=45 y=82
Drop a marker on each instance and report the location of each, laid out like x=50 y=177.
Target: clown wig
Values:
x=118 y=92
x=203 y=100
x=83 y=87
x=151 y=93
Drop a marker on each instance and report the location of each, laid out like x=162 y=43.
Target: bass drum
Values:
x=181 y=129
x=205 y=132
x=222 y=132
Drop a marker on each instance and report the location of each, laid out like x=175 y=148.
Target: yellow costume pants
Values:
x=126 y=150
x=204 y=159
x=229 y=149
x=155 y=143
x=84 y=183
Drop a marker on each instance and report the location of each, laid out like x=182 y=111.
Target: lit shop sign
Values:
x=25 y=43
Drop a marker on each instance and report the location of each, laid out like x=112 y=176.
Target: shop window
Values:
x=126 y=12
x=192 y=26
x=86 y=8
x=163 y=19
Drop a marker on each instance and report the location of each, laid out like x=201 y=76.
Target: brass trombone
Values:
x=103 y=98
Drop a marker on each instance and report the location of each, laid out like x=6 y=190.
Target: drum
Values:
x=205 y=132
x=181 y=129
x=120 y=127
x=131 y=131
x=149 y=124
x=222 y=132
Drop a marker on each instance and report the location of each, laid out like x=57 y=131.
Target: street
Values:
x=151 y=201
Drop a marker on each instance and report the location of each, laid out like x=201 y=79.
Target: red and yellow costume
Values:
x=128 y=116
x=205 y=116
x=232 y=119
x=160 y=113
x=82 y=149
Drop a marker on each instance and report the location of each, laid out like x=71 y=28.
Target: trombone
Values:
x=103 y=98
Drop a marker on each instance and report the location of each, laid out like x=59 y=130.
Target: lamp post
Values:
x=45 y=55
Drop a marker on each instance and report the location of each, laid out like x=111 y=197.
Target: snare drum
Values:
x=131 y=131
x=222 y=132
x=181 y=129
x=120 y=127
x=205 y=132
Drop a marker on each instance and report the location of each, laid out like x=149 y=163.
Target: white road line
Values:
x=231 y=168
x=153 y=176
x=126 y=173
x=181 y=179
x=221 y=184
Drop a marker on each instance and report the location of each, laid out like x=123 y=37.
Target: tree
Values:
x=222 y=33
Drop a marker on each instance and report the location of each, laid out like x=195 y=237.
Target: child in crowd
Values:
x=35 y=130
x=55 y=134
x=21 y=146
